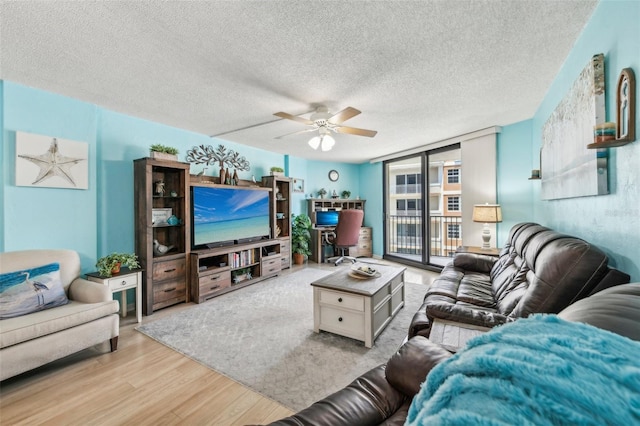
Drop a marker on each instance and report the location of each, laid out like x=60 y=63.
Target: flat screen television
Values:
x=326 y=219
x=225 y=216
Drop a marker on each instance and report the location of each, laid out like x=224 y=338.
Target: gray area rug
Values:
x=262 y=336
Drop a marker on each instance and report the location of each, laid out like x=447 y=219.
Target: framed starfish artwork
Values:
x=45 y=161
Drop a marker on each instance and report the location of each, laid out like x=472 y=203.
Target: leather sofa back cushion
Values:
x=543 y=271
x=616 y=309
x=31 y=290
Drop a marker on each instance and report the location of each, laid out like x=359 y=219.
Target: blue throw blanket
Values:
x=536 y=371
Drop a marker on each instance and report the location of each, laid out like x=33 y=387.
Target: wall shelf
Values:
x=609 y=144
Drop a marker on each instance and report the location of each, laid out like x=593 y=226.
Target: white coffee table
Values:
x=355 y=307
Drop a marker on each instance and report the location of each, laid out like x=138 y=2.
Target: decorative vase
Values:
x=223 y=175
x=298 y=258
x=235 y=177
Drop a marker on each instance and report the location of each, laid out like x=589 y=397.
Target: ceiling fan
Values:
x=325 y=123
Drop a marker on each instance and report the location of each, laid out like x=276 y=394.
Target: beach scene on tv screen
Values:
x=221 y=214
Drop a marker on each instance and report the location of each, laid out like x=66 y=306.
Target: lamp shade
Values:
x=487 y=213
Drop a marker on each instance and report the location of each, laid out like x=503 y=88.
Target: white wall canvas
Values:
x=568 y=168
x=46 y=161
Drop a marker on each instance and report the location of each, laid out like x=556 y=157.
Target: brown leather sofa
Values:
x=382 y=396
x=537 y=271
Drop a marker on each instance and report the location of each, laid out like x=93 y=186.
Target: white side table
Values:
x=123 y=281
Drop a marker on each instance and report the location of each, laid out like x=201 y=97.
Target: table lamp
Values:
x=487 y=213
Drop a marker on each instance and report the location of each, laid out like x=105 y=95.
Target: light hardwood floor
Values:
x=143 y=382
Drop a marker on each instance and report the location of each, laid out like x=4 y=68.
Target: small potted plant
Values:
x=111 y=263
x=300 y=237
x=346 y=194
x=322 y=192
x=276 y=171
x=163 y=152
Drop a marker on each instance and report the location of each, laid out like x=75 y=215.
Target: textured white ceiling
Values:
x=420 y=71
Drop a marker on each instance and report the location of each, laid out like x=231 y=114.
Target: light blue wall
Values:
x=47 y=217
x=514 y=164
x=612 y=222
x=370 y=176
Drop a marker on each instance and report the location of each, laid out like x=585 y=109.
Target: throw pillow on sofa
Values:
x=31 y=290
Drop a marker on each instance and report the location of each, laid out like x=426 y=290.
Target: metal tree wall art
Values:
x=207 y=155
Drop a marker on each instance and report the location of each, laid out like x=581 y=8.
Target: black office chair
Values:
x=346 y=234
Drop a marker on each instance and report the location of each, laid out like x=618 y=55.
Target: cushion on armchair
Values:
x=31 y=290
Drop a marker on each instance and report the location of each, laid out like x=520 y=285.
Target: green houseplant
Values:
x=300 y=237
x=276 y=171
x=346 y=194
x=322 y=192
x=111 y=263
x=163 y=152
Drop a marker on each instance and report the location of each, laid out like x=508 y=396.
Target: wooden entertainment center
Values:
x=174 y=271
x=220 y=270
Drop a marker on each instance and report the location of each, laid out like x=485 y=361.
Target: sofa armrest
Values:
x=420 y=324
x=85 y=291
x=474 y=262
x=464 y=314
x=408 y=368
x=368 y=400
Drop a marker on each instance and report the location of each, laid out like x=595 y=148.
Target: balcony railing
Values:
x=405 y=235
x=414 y=188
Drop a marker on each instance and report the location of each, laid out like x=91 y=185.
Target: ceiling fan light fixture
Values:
x=327 y=142
x=314 y=142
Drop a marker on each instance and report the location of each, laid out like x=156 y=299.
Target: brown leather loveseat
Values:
x=538 y=271
x=382 y=396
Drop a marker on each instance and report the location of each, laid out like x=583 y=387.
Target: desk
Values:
x=318 y=244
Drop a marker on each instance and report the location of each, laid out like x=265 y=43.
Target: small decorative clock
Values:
x=333 y=175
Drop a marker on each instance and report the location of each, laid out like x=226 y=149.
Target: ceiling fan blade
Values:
x=356 y=131
x=343 y=115
x=296 y=133
x=294 y=118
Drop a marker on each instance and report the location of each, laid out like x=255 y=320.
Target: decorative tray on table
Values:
x=363 y=272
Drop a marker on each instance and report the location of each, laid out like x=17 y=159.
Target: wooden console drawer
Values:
x=169 y=291
x=271 y=265
x=169 y=269
x=342 y=300
x=214 y=282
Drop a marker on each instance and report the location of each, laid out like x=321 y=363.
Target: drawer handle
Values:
x=170 y=270
x=215 y=278
x=214 y=287
x=169 y=290
x=339 y=319
x=340 y=300
x=123 y=282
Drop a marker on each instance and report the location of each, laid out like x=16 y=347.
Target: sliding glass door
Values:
x=423 y=206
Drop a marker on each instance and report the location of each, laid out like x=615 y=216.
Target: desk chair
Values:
x=346 y=234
